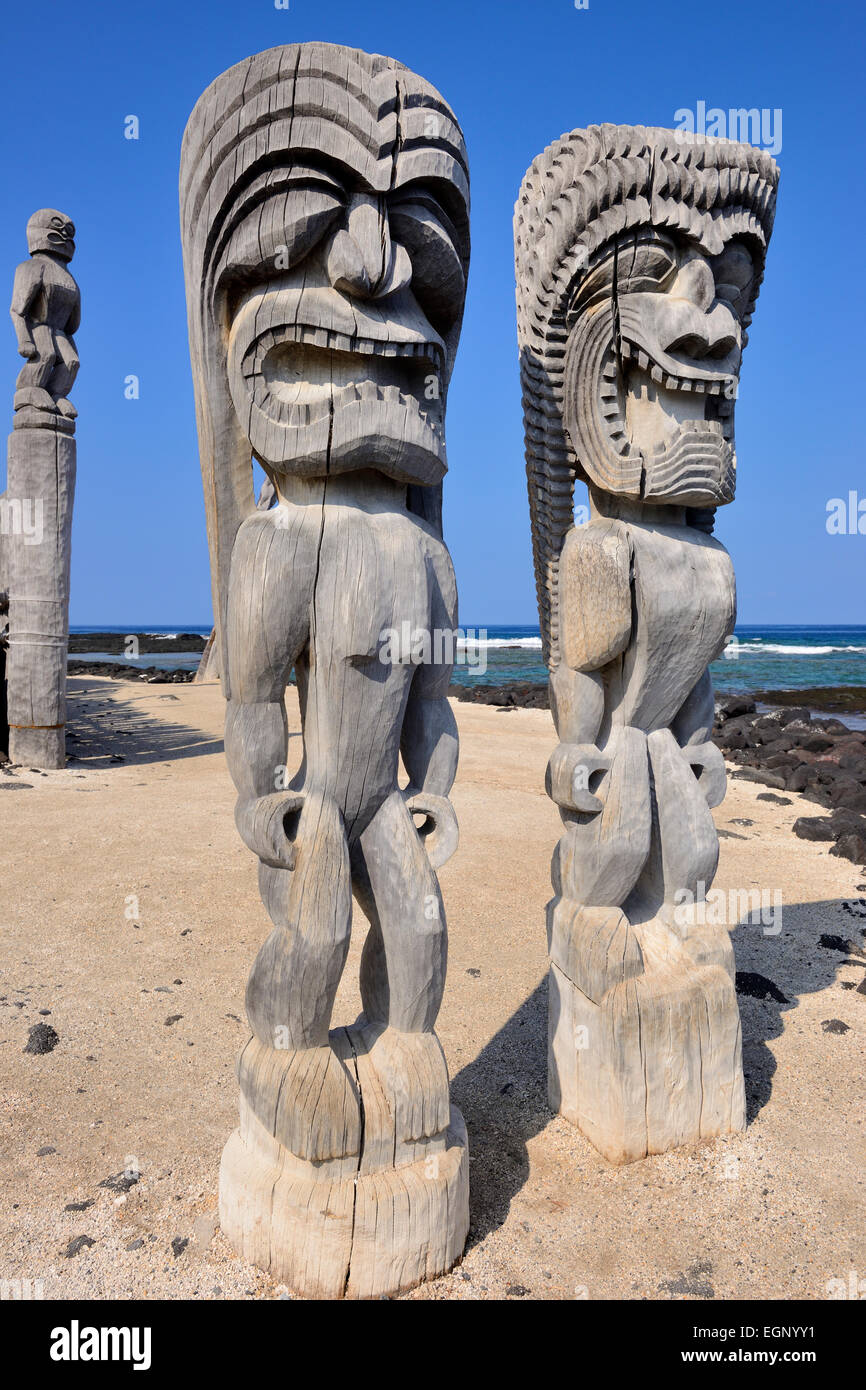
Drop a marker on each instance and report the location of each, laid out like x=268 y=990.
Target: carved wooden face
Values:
x=653 y=366
x=341 y=287
x=51 y=231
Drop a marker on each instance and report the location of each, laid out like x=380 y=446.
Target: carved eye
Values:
x=734 y=273
x=645 y=266
x=422 y=226
x=289 y=212
x=312 y=201
x=645 y=263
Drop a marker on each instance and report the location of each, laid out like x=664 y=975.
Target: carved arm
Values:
x=595 y=628
x=26 y=286
x=692 y=729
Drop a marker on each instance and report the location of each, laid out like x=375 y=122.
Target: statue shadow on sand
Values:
x=103 y=732
x=503 y=1092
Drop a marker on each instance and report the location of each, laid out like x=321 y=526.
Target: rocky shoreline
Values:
x=788 y=749
x=832 y=699
x=155 y=675
x=116 y=643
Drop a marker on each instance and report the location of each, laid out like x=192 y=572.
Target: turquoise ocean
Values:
x=759 y=658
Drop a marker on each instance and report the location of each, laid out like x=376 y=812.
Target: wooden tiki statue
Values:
x=324 y=212
x=35 y=544
x=638 y=263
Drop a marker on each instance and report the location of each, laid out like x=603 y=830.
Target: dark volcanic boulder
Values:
x=781 y=718
x=816 y=743
x=729 y=706
x=801 y=778
x=781 y=762
x=831 y=726
x=767 y=779
x=851 y=847
x=815 y=828
x=769 y=733
x=819 y=795
x=833 y=827
x=729 y=738
x=798 y=727
x=852 y=799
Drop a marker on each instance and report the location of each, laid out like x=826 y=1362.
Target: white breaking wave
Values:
x=531 y=643
x=781 y=649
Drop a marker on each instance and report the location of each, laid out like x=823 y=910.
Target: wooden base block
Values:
x=656 y=1064
x=355 y=1237
x=44 y=748
x=365 y=1224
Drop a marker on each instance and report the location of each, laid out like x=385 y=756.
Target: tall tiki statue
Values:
x=324 y=212
x=638 y=265
x=37 y=507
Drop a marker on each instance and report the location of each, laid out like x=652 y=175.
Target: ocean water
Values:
x=171 y=659
x=758 y=658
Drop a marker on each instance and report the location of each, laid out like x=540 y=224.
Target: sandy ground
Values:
x=130 y=918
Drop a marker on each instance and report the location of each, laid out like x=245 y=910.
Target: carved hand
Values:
x=439 y=833
x=568 y=772
x=708 y=766
x=28 y=350
x=261 y=823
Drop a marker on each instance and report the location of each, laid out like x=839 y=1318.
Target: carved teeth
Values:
x=301 y=414
x=304 y=334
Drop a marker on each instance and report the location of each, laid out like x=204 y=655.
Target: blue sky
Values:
x=517 y=75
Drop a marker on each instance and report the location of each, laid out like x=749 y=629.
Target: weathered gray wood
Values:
x=638 y=264
x=208 y=670
x=37 y=506
x=324 y=313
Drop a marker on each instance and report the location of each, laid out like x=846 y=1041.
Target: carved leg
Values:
x=412 y=1215
x=408 y=947
x=31 y=388
x=64 y=374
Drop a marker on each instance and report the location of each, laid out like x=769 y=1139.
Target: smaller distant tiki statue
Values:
x=324 y=214
x=37 y=520
x=638 y=265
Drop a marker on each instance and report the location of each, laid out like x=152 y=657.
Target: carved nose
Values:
x=699 y=329
x=707 y=335
x=363 y=260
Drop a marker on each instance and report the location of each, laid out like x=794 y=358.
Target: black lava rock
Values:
x=851 y=847
x=79 y=1243
x=42 y=1039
